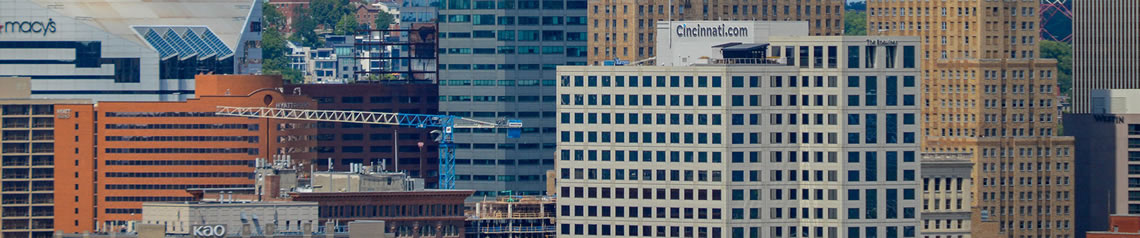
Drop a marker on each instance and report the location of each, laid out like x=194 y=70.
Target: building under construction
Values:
x=513 y=217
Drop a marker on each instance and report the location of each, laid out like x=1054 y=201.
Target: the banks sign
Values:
x=722 y=30
x=27 y=27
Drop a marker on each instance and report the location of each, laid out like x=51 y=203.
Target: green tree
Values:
x=1063 y=52
x=272 y=17
x=274 y=54
x=384 y=19
x=855 y=23
x=346 y=26
x=304 y=28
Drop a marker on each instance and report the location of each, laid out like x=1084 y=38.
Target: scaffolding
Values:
x=512 y=217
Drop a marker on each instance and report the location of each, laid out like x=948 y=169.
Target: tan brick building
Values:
x=986 y=92
x=624 y=29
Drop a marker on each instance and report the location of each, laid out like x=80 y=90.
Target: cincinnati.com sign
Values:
x=722 y=30
x=208 y=231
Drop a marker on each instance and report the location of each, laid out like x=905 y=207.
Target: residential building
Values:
x=349 y=143
x=1100 y=25
x=92 y=49
x=512 y=217
x=499 y=60
x=27 y=170
x=946 y=194
x=623 y=29
x=1108 y=146
x=1123 y=226
x=987 y=93
x=748 y=141
x=289 y=10
x=256 y=218
x=155 y=151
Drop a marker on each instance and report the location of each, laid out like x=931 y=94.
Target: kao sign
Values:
x=208 y=231
x=28 y=27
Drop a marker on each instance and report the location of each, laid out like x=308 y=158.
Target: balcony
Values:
x=42 y=224
x=15 y=135
x=15 y=148
x=43 y=135
x=15 y=161
x=15 y=212
x=43 y=110
x=42 y=211
x=43 y=123
x=43 y=160
x=43 y=148
x=14 y=110
x=15 y=188
x=15 y=224
x=15 y=123
x=43 y=199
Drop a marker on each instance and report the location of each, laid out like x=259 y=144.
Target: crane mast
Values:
x=445 y=123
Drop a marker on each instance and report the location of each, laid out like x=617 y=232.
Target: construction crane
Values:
x=446 y=124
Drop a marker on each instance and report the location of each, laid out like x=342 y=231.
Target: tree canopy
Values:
x=1063 y=52
x=383 y=19
x=855 y=23
x=346 y=26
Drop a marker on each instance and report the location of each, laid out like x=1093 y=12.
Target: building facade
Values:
x=154 y=151
x=257 y=218
x=820 y=143
x=1106 y=144
x=1123 y=226
x=988 y=93
x=88 y=49
x=1097 y=26
x=624 y=29
x=348 y=143
x=499 y=60
x=423 y=213
x=512 y=217
x=27 y=170
x=946 y=195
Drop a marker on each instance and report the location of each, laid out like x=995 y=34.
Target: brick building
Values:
x=1123 y=226
x=348 y=143
x=424 y=213
x=154 y=151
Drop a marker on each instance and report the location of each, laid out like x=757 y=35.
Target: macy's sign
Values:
x=37 y=27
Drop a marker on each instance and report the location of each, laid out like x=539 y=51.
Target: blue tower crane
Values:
x=446 y=125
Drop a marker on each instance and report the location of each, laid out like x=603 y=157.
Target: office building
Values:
x=257 y=218
x=93 y=49
x=987 y=93
x=623 y=29
x=154 y=151
x=1106 y=51
x=1107 y=145
x=781 y=136
x=27 y=168
x=348 y=143
x=498 y=60
x=946 y=195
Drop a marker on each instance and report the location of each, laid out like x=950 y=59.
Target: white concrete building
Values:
x=255 y=218
x=788 y=136
x=947 y=190
x=127 y=50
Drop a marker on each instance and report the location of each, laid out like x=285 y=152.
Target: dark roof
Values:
x=746 y=47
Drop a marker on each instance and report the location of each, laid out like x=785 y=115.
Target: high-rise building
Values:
x=155 y=151
x=93 y=49
x=498 y=60
x=946 y=195
x=623 y=29
x=1106 y=51
x=1106 y=146
x=373 y=144
x=783 y=136
x=987 y=93
x=28 y=164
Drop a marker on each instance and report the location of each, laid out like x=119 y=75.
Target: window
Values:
x=853 y=58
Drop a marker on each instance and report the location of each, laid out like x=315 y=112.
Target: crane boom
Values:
x=446 y=123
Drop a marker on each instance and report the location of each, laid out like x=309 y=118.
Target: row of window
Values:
x=483 y=98
x=737 y=232
x=413 y=149
x=872 y=99
x=505 y=162
x=1025 y=181
x=504 y=82
x=179 y=175
x=520 y=35
x=715 y=119
x=515 y=4
x=491 y=20
x=250 y=139
x=251 y=127
x=755 y=138
x=736 y=175
x=250 y=151
x=507 y=66
x=500 y=178
x=249 y=163
x=160 y=114
x=148 y=199
x=774 y=213
x=391 y=211
x=131 y=211
x=172 y=186
x=374 y=99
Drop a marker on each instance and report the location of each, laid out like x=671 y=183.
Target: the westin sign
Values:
x=722 y=30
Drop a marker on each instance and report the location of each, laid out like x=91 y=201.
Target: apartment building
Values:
x=946 y=195
x=28 y=166
x=624 y=29
x=155 y=151
x=498 y=60
x=987 y=93
x=784 y=136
